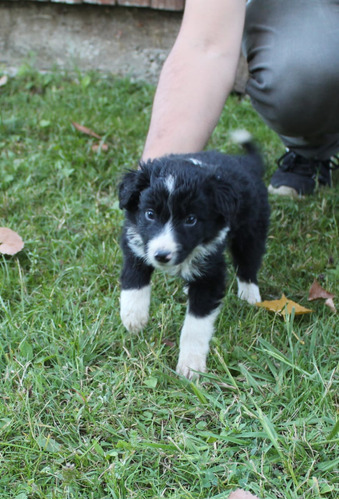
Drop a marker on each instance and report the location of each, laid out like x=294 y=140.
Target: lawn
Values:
x=88 y=410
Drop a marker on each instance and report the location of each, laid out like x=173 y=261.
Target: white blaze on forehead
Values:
x=163 y=241
x=169 y=183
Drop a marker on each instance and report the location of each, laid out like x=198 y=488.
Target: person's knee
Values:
x=294 y=75
x=295 y=97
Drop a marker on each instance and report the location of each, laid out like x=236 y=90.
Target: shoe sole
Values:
x=284 y=191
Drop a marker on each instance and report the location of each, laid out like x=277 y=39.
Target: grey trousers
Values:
x=292 y=49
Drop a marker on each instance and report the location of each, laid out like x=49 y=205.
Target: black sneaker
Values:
x=297 y=175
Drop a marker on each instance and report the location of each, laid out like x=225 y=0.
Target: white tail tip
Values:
x=241 y=136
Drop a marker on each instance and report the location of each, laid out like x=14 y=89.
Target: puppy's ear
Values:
x=131 y=186
x=226 y=198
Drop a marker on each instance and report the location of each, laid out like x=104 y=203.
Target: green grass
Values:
x=90 y=411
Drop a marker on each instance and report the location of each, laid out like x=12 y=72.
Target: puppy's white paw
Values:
x=189 y=363
x=134 y=308
x=194 y=342
x=249 y=292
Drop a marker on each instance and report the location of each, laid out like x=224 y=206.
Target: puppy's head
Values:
x=176 y=210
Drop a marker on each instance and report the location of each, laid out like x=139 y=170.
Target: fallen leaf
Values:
x=329 y=303
x=283 y=306
x=317 y=292
x=44 y=123
x=99 y=147
x=10 y=242
x=85 y=130
x=3 y=80
x=168 y=342
x=241 y=494
x=48 y=444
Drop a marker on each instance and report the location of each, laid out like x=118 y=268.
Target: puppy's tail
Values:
x=245 y=139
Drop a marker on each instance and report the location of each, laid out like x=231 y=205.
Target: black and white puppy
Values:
x=181 y=212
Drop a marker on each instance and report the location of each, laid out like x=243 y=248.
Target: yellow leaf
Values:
x=283 y=306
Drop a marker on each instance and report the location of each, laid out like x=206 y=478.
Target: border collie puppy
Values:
x=181 y=211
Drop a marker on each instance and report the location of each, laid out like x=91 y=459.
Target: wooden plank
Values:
x=154 y=4
x=168 y=4
x=174 y=5
x=134 y=3
x=66 y=1
x=100 y=2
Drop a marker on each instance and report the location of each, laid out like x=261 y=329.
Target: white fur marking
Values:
x=135 y=242
x=193 y=264
x=162 y=241
x=169 y=183
x=248 y=291
x=241 y=136
x=195 y=337
x=196 y=162
x=134 y=307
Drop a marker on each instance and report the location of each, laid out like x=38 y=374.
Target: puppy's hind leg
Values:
x=247 y=252
x=248 y=291
x=135 y=295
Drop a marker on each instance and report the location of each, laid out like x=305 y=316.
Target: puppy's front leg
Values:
x=196 y=334
x=135 y=295
x=198 y=328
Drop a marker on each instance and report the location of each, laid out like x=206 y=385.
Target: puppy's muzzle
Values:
x=163 y=256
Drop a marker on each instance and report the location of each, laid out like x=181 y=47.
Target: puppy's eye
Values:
x=191 y=220
x=150 y=214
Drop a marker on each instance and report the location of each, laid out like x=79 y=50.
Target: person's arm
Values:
x=196 y=78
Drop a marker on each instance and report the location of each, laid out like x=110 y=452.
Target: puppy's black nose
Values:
x=163 y=256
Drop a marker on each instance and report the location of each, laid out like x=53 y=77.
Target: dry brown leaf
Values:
x=85 y=130
x=329 y=303
x=317 y=292
x=10 y=242
x=283 y=306
x=168 y=342
x=99 y=147
x=3 y=80
x=241 y=494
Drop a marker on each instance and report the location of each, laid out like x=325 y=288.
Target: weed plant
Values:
x=88 y=410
